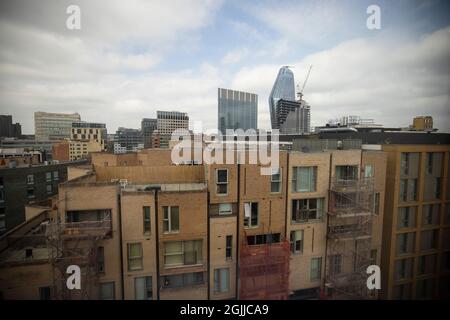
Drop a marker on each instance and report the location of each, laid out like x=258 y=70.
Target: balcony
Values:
x=87 y=223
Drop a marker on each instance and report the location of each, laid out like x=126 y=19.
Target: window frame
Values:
x=218 y=183
x=135 y=258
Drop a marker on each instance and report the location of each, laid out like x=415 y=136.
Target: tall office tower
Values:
x=293 y=117
x=283 y=88
x=168 y=121
x=54 y=126
x=237 y=110
x=9 y=129
x=127 y=140
x=148 y=126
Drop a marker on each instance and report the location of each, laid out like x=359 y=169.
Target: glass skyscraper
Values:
x=283 y=88
x=237 y=110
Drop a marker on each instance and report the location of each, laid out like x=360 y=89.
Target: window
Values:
x=403 y=269
x=402 y=292
x=107 y=291
x=405 y=242
x=346 y=173
x=316 y=269
x=408 y=189
x=437 y=188
x=179 y=253
x=48 y=176
x=222 y=181
x=55 y=175
x=101 y=259
x=427 y=264
x=304 y=179
x=263 y=238
x=229 y=247
x=2 y=196
x=430 y=214
x=429 y=239
x=221 y=280
x=225 y=208
x=135 y=256
x=406 y=217
x=171 y=221
x=335 y=264
x=30 y=193
x=182 y=280
x=49 y=189
x=146 y=217
x=143 y=288
x=424 y=289
x=307 y=209
x=297 y=241
x=44 y=293
x=30 y=179
x=377 y=203
x=275 y=181
x=404 y=163
x=368 y=171
x=251 y=214
x=429 y=163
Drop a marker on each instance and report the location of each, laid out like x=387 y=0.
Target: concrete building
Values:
x=44 y=147
x=26 y=184
x=237 y=110
x=423 y=123
x=154 y=230
x=53 y=126
x=8 y=128
x=416 y=231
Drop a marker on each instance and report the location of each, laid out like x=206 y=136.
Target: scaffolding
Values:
x=349 y=237
x=75 y=243
x=264 y=271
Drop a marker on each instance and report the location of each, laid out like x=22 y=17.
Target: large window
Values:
x=405 y=242
x=430 y=214
x=408 y=190
x=307 y=209
x=146 y=218
x=304 y=179
x=179 y=253
x=182 y=280
x=251 y=214
x=346 y=172
x=406 y=217
x=429 y=239
x=335 y=264
x=143 y=288
x=135 y=256
x=171 y=220
x=222 y=181
x=221 y=280
x=403 y=269
x=106 y=291
x=297 y=241
x=316 y=269
x=275 y=181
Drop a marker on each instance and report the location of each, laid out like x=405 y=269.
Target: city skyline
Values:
x=127 y=71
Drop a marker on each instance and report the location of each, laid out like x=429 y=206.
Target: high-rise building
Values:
x=9 y=129
x=54 y=126
x=283 y=88
x=293 y=117
x=168 y=121
x=148 y=126
x=127 y=140
x=237 y=110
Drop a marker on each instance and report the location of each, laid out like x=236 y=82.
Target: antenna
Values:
x=300 y=92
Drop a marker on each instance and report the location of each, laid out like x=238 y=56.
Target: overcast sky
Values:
x=131 y=58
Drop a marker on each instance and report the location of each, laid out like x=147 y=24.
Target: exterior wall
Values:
x=132 y=228
x=22 y=282
x=91 y=196
x=60 y=151
x=314 y=231
x=440 y=276
x=220 y=227
x=193 y=212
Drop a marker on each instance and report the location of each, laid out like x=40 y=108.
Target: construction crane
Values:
x=300 y=92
